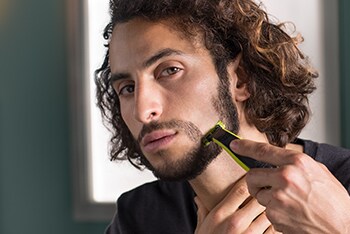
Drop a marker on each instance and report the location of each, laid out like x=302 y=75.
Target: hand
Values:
x=236 y=213
x=300 y=194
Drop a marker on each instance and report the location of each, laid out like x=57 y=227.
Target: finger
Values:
x=260 y=225
x=202 y=211
x=289 y=179
x=235 y=198
x=263 y=152
x=258 y=179
x=251 y=211
x=264 y=196
x=271 y=230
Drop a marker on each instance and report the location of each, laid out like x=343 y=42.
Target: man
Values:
x=172 y=70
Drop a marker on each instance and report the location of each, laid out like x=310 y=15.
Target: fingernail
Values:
x=234 y=144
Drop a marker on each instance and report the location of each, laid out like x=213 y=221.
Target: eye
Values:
x=127 y=89
x=169 y=71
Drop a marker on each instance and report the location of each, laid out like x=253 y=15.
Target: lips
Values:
x=157 y=140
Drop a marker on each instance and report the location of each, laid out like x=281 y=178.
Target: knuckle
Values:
x=299 y=160
x=323 y=167
x=241 y=190
x=233 y=224
x=286 y=175
x=289 y=177
x=218 y=216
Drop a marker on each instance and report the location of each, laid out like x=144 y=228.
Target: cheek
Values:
x=127 y=115
x=197 y=102
x=125 y=111
x=203 y=93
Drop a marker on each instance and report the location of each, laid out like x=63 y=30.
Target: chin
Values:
x=173 y=166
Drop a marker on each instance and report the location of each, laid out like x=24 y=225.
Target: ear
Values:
x=239 y=88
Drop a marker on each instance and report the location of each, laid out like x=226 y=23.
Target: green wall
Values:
x=35 y=178
x=344 y=7
x=35 y=182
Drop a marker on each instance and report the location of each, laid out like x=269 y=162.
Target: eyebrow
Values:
x=153 y=59
x=160 y=54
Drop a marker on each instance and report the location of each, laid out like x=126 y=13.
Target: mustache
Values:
x=189 y=128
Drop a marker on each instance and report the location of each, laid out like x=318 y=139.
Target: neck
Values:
x=216 y=181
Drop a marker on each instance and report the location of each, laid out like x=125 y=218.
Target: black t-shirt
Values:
x=168 y=207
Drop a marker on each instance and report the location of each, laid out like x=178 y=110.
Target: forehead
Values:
x=137 y=39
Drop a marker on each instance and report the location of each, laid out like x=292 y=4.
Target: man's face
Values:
x=169 y=96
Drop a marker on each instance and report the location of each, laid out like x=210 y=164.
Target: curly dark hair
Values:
x=278 y=75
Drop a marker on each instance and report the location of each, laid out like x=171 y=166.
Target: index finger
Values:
x=263 y=152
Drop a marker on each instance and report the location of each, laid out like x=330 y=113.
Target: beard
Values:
x=192 y=162
x=199 y=157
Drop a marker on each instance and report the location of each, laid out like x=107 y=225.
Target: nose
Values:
x=148 y=103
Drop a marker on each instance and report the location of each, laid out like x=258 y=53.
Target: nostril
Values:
x=152 y=115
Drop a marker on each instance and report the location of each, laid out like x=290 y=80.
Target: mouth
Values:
x=157 y=140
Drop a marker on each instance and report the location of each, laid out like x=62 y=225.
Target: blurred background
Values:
x=35 y=145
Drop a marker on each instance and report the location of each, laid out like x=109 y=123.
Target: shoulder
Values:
x=156 y=207
x=332 y=156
